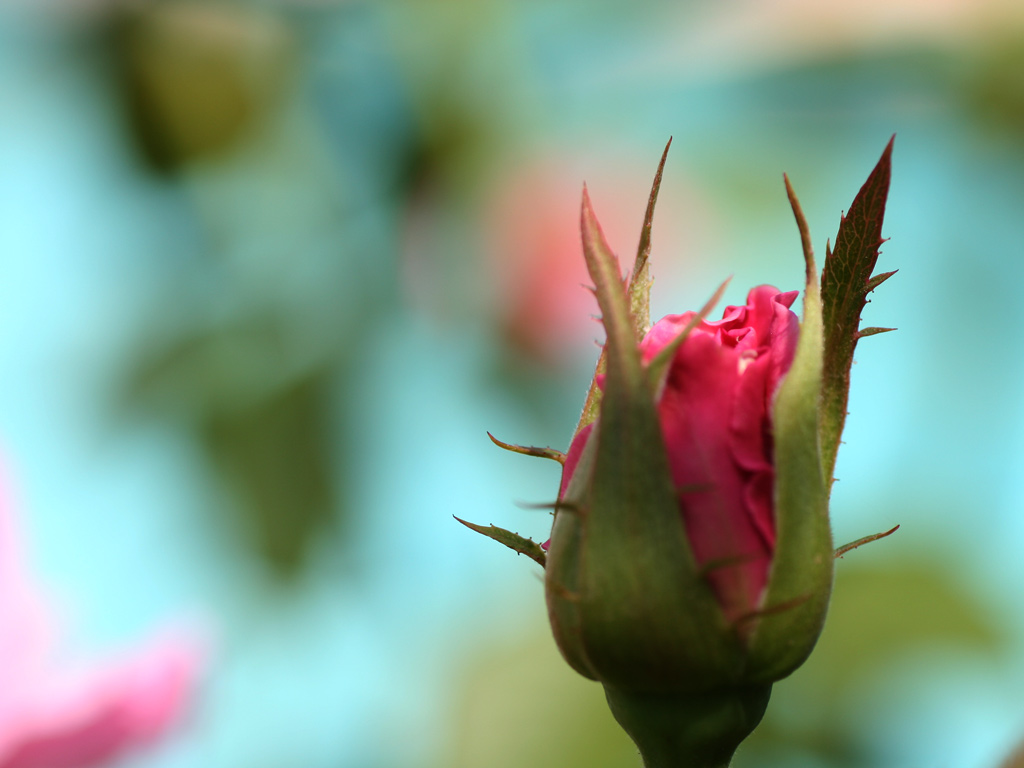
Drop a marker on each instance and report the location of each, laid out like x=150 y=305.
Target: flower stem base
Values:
x=689 y=730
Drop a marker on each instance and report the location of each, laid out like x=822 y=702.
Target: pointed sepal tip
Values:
x=514 y=541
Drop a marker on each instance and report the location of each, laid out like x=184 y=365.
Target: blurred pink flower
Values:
x=531 y=244
x=533 y=251
x=68 y=715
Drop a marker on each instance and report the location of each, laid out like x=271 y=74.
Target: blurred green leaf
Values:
x=888 y=608
x=1015 y=760
x=994 y=89
x=195 y=77
x=263 y=418
x=517 y=704
x=880 y=612
x=213 y=368
x=274 y=452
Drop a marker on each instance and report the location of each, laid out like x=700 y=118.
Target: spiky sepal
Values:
x=520 y=544
x=846 y=281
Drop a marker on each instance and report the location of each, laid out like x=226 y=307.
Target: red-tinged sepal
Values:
x=880 y=278
x=846 y=281
x=530 y=450
x=865 y=332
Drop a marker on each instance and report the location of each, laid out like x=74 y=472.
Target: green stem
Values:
x=689 y=730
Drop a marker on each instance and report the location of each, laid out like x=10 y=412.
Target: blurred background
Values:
x=268 y=271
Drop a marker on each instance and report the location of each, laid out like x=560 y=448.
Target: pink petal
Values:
x=95 y=717
x=572 y=458
x=695 y=413
x=715 y=415
x=58 y=717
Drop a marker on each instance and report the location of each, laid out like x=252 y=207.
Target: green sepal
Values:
x=530 y=450
x=846 y=281
x=520 y=544
x=800 y=582
x=640 y=281
x=639 y=291
x=840 y=551
x=626 y=602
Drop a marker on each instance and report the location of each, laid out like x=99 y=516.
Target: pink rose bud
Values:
x=716 y=422
x=690 y=561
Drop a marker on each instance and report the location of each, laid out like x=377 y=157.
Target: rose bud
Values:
x=690 y=560
x=667 y=579
x=715 y=418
